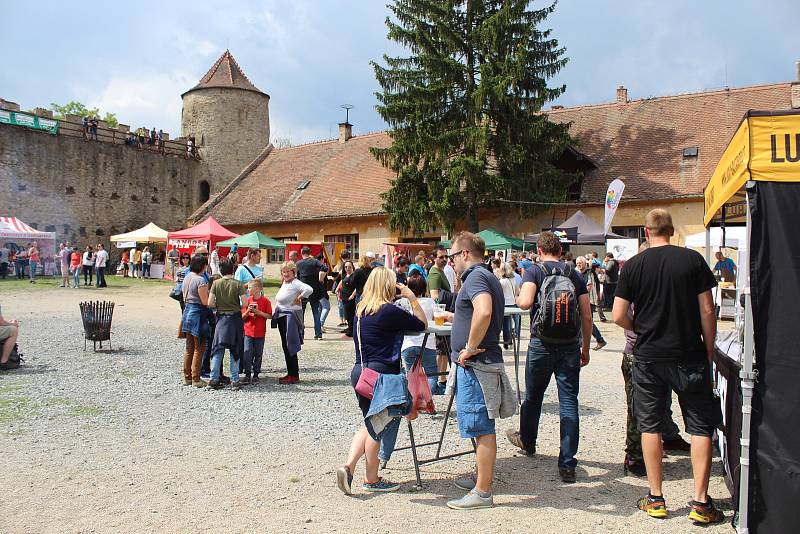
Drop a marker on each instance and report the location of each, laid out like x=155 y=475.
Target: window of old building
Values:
x=631 y=232
x=350 y=241
x=204 y=191
x=277 y=255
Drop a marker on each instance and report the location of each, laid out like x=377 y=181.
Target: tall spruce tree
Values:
x=464 y=110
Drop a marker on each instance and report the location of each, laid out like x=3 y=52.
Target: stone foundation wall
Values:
x=86 y=191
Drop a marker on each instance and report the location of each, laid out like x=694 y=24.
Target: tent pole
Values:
x=748 y=376
x=708 y=245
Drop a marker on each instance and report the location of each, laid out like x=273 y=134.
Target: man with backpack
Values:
x=611 y=270
x=561 y=327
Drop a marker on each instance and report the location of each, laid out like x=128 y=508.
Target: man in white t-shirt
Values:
x=100 y=262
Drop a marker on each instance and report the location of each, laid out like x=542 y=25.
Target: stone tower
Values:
x=229 y=120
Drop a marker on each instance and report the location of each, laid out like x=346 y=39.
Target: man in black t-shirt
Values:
x=547 y=358
x=675 y=328
x=311 y=271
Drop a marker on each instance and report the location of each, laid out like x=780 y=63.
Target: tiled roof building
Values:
x=662 y=148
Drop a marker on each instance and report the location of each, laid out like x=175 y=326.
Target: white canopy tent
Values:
x=151 y=233
x=735 y=237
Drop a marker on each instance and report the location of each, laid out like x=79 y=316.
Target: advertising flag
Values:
x=613 y=196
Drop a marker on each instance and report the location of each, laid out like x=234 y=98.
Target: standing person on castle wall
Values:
x=161 y=141
x=93 y=128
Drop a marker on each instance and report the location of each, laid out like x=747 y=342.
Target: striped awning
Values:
x=13 y=228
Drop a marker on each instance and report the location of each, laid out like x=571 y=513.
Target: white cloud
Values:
x=145 y=99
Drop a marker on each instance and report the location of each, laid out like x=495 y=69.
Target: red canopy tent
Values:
x=206 y=234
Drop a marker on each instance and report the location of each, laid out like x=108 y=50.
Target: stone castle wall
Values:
x=231 y=127
x=86 y=191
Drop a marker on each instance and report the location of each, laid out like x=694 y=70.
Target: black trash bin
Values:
x=96 y=317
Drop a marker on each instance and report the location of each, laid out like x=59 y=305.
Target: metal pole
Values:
x=748 y=376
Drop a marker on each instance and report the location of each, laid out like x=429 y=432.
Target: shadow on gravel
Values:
x=552 y=408
x=535 y=483
x=27 y=369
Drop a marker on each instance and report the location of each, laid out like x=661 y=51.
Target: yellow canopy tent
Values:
x=757 y=182
x=147 y=234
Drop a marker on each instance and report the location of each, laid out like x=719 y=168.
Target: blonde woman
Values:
x=378 y=337
x=505 y=274
x=288 y=318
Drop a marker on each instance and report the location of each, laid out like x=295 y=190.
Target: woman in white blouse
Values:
x=289 y=318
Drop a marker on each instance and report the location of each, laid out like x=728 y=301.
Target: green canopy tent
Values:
x=496 y=241
x=252 y=240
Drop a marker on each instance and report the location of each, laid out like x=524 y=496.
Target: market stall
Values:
x=757 y=182
x=150 y=235
x=245 y=242
x=16 y=235
x=580 y=229
x=207 y=234
x=496 y=241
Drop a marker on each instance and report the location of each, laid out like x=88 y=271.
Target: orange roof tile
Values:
x=225 y=73
x=641 y=142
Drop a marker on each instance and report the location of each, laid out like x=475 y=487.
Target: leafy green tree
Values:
x=464 y=110
x=77 y=108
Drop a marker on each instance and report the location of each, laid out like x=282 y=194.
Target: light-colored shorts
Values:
x=6 y=331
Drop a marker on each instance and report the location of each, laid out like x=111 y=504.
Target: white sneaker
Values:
x=471 y=501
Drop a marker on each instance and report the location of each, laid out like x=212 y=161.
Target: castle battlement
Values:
x=72 y=126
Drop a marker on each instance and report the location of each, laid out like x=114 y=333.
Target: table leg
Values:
x=444 y=426
x=414 y=455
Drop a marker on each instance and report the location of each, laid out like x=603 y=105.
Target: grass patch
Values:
x=54 y=282
x=10 y=388
x=84 y=411
x=15 y=409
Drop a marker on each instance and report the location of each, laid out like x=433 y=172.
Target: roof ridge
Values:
x=236 y=78
x=335 y=140
x=706 y=92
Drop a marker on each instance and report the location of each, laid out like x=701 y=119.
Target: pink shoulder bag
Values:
x=366 y=382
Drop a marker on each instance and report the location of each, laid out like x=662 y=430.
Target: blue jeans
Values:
x=428 y=363
x=101 y=277
x=253 y=352
x=76 y=277
x=216 y=365
x=315 y=313
x=325 y=305
x=342 y=316
x=596 y=334
x=544 y=360
x=32 y=272
x=516 y=320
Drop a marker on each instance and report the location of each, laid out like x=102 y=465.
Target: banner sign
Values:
x=188 y=243
x=28 y=121
x=565 y=235
x=613 y=196
x=622 y=249
x=126 y=244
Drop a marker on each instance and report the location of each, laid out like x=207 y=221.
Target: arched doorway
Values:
x=204 y=191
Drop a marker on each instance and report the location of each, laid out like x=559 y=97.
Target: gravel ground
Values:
x=112 y=442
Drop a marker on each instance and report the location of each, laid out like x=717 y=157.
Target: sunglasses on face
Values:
x=454 y=254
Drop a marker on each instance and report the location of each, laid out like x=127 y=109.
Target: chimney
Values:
x=622 y=95
x=796 y=87
x=345 y=131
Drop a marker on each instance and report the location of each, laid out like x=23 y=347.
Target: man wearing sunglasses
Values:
x=477 y=359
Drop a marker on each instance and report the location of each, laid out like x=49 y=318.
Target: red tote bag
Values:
x=419 y=388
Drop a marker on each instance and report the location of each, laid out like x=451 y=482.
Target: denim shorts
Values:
x=473 y=419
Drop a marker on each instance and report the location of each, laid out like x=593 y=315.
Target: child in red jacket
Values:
x=255 y=315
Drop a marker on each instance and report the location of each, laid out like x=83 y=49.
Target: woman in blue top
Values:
x=378 y=337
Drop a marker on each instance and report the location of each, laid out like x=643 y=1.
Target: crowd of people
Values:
x=20 y=259
x=91 y=263
x=661 y=297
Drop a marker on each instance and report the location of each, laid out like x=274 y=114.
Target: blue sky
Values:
x=311 y=56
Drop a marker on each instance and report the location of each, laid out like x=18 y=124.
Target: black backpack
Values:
x=557 y=319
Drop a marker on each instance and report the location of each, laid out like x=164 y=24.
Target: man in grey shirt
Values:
x=477 y=323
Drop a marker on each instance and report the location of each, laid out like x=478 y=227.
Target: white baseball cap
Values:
x=369 y=254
